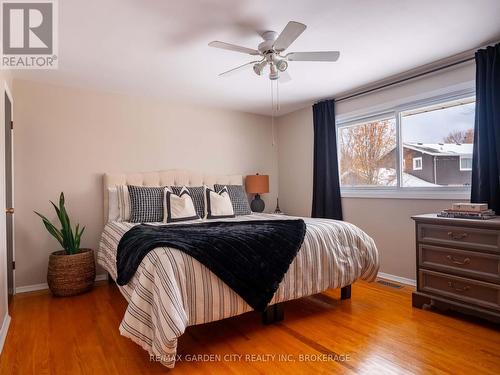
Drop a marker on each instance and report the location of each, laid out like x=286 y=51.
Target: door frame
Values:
x=8 y=92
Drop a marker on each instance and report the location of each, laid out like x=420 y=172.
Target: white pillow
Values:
x=217 y=205
x=178 y=207
x=123 y=203
x=113 y=209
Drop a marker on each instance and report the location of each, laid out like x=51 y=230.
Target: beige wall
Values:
x=4 y=80
x=386 y=220
x=389 y=222
x=65 y=139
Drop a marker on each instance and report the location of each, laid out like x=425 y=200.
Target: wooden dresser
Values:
x=458 y=265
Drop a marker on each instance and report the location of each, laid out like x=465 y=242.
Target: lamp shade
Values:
x=257 y=184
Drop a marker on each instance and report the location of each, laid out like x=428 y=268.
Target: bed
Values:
x=171 y=290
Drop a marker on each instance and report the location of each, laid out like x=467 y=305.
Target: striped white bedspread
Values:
x=172 y=290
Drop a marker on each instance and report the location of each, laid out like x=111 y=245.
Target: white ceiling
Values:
x=159 y=48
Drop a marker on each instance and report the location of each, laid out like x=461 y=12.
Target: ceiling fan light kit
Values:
x=258 y=68
x=273 y=72
x=282 y=65
x=271 y=49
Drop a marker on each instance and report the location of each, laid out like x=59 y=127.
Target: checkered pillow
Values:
x=146 y=204
x=196 y=193
x=238 y=198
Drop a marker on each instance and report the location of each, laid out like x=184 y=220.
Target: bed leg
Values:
x=272 y=314
x=279 y=312
x=268 y=315
x=345 y=292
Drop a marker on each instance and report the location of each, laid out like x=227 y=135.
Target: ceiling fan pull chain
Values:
x=272 y=114
x=277 y=95
x=272 y=99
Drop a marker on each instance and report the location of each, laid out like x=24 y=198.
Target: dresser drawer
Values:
x=470 y=238
x=460 y=288
x=467 y=263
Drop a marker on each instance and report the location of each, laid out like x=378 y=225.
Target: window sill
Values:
x=407 y=193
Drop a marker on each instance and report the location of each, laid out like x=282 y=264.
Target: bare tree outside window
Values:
x=460 y=136
x=363 y=153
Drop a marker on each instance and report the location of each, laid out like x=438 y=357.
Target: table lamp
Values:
x=257 y=184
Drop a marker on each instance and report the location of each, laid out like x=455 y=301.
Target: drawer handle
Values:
x=454 y=260
x=457 y=236
x=452 y=286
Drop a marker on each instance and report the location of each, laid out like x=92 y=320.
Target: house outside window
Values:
x=417 y=164
x=424 y=146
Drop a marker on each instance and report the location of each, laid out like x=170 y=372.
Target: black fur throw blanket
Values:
x=251 y=257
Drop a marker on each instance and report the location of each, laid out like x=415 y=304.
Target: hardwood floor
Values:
x=377 y=331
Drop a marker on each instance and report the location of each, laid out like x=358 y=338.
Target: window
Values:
x=442 y=134
x=365 y=153
x=465 y=163
x=425 y=146
x=417 y=164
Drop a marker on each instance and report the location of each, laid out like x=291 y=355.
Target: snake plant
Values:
x=68 y=239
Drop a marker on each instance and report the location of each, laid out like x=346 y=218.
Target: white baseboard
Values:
x=399 y=279
x=31 y=288
x=3 y=330
x=43 y=286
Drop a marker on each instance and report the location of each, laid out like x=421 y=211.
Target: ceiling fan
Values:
x=271 y=50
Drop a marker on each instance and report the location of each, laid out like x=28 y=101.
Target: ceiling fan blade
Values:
x=291 y=32
x=285 y=77
x=313 y=56
x=233 y=47
x=237 y=69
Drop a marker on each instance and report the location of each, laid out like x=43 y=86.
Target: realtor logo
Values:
x=29 y=34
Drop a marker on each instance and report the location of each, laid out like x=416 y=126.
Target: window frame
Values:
x=418 y=158
x=400 y=191
x=460 y=163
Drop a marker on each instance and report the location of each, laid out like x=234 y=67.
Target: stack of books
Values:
x=468 y=211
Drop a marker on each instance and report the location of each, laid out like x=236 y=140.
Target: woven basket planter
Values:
x=69 y=275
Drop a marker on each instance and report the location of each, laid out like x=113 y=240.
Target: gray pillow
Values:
x=238 y=198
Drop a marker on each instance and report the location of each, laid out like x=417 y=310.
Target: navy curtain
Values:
x=326 y=184
x=486 y=154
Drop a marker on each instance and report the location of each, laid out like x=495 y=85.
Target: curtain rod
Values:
x=470 y=56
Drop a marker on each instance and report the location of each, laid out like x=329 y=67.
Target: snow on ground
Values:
x=387 y=177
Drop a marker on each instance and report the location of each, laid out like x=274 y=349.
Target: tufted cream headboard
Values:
x=171 y=177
